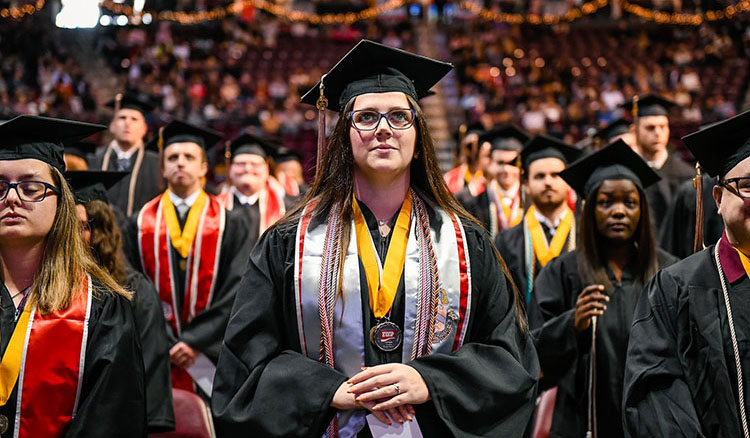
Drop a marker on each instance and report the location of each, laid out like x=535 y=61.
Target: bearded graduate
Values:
x=101 y=232
x=71 y=358
x=379 y=294
x=549 y=225
x=688 y=360
x=192 y=249
x=500 y=206
x=602 y=278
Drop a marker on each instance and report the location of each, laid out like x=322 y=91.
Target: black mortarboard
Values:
x=615 y=129
x=427 y=94
x=90 y=185
x=543 y=146
x=721 y=146
x=178 y=131
x=250 y=144
x=506 y=137
x=41 y=138
x=370 y=67
x=616 y=161
x=139 y=102
x=284 y=154
x=82 y=149
x=648 y=105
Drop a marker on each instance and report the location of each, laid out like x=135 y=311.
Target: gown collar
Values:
x=730 y=260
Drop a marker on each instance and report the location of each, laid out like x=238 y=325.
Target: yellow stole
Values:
x=182 y=240
x=11 y=364
x=543 y=251
x=383 y=285
x=745 y=261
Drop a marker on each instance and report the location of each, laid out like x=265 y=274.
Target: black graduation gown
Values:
x=148 y=186
x=564 y=353
x=680 y=377
x=205 y=332
x=265 y=385
x=478 y=206
x=252 y=215
x=149 y=321
x=673 y=173
x=112 y=400
x=678 y=230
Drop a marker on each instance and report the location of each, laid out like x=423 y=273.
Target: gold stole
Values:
x=543 y=251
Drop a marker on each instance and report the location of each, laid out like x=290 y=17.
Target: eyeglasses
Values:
x=738 y=186
x=397 y=118
x=27 y=191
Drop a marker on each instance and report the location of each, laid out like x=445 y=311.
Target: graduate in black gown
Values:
x=286 y=371
x=127 y=152
x=500 y=205
x=102 y=233
x=536 y=239
x=681 y=377
x=602 y=278
x=650 y=131
x=289 y=171
x=67 y=334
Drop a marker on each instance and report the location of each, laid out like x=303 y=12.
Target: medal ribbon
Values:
x=182 y=240
x=544 y=252
x=11 y=364
x=383 y=283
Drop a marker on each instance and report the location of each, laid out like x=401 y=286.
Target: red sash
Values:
x=49 y=383
x=155 y=249
x=270 y=201
x=454 y=179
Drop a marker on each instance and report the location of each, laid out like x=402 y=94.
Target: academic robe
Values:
x=678 y=231
x=512 y=247
x=252 y=215
x=266 y=385
x=147 y=187
x=149 y=322
x=673 y=173
x=112 y=398
x=204 y=332
x=680 y=376
x=564 y=353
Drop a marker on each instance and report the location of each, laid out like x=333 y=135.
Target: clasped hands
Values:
x=388 y=391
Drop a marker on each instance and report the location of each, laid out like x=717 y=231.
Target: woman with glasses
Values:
x=592 y=291
x=688 y=359
x=70 y=354
x=377 y=301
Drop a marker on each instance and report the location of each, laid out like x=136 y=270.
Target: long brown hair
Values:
x=591 y=257
x=106 y=240
x=66 y=256
x=334 y=185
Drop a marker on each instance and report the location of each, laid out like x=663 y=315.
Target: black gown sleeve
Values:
x=112 y=401
x=263 y=384
x=130 y=243
x=152 y=332
x=206 y=330
x=656 y=397
x=497 y=357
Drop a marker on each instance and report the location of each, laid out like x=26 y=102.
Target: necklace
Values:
x=384 y=227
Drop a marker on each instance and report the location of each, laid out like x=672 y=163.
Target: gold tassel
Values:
x=322 y=105
x=698 y=185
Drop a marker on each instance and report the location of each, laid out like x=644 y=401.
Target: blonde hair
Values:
x=67 y=259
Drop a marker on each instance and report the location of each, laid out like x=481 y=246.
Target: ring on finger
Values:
x=397 y=388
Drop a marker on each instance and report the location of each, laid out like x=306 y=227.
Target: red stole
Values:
x=270 y=202
x=49 y=383
x=155 y=249
x=456 y=179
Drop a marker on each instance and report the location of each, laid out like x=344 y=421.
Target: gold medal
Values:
x=4 y=423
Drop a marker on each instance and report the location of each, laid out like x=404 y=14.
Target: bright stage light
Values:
x=77 y=14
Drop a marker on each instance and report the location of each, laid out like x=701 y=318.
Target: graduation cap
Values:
x=506 y=137
x=721 y=146
x=41 y=138
x=613 y=162
x=90 y=185
x=648 y=105
x=371 y=67
x=139 y=102
x=81 y=149
x=178 y=131
x=284 y=154
x=247 y=143
x=543 y=146
x=615 y=129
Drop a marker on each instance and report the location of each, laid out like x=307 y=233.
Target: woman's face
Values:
x=617 y=210
x=25 y=222
x=383 y=152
